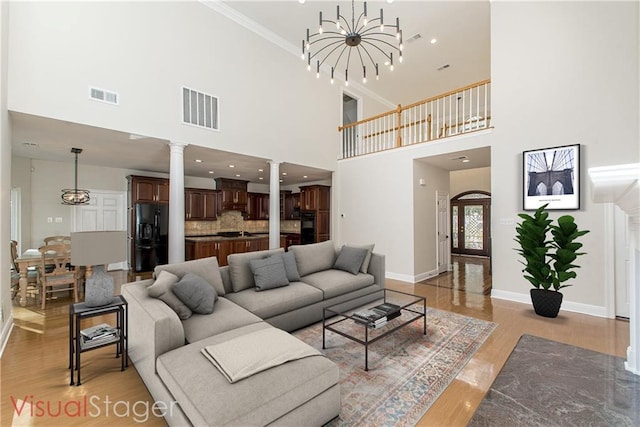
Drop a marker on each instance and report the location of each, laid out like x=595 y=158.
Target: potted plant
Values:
x=548 y=262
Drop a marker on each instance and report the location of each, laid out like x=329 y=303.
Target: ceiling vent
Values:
x=102 y=95
x=444 y=67
x=413 y=38
x=200 y=109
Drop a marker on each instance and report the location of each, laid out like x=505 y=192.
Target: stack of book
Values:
x=377 y=316
x=99 y=334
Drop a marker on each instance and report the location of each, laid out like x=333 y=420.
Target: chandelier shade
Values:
x=75 y=196
x=366 y=39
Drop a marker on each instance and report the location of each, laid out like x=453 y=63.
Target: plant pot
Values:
x=546 y=303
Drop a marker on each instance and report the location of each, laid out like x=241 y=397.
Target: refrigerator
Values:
x=151 y=238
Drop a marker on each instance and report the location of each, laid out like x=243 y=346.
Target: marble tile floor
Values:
x=547 y=383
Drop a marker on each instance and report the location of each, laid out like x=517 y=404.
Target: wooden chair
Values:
x=32 y=273
x=61 y=277
x=57 y=240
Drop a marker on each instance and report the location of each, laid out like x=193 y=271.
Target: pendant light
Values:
x=75 y=196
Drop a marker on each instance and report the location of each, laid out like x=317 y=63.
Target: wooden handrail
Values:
x=399 y=108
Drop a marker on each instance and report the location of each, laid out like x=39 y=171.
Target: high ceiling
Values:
x=460 y=28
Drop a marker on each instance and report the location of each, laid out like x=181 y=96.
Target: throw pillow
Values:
x=196 y=293
x=314 y=257
x=290 y=267
x=207 y=268
x=161 y=289
x=269 y=273
x=367 y=259
x=240 y=270
x=350 y=259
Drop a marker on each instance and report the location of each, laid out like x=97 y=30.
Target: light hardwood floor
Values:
x=34 y=364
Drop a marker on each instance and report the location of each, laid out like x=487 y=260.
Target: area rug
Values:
x=547 y=383
x=407 y=370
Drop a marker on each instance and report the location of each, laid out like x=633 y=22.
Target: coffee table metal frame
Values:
x=345 y=315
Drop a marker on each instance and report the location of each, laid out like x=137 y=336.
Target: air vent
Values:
x=444 y=67
x=102 y=95
x=413 y=38
x=199 y=109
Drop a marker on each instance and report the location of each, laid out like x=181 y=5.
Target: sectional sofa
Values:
x=171 y=345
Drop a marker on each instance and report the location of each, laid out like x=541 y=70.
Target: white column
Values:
x=176 y=202
x=632 y=363
x=274 y=205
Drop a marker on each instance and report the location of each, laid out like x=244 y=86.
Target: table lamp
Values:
x=95 y=250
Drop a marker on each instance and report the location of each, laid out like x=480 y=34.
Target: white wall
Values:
x=470 y=179
x=376 y=194
x=562 y=73
x=146 y=51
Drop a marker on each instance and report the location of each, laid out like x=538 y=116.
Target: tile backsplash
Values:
x=233 y=221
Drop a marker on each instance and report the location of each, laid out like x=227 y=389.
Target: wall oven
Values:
x=307 y=227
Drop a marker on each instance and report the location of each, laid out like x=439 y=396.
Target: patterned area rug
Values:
x=407 y=370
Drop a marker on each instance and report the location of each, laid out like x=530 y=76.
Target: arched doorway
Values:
x=471 y=223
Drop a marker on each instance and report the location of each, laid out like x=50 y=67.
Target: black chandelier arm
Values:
x=335 y=45
x=388 y=56
x=374 y=28
x=373 y=62
x=327 y=46
x=380 y=41
x=327 y=35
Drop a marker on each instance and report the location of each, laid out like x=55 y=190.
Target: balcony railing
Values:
x=460 y=111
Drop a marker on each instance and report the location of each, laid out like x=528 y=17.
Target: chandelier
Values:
x=366 y=39
x=75 y=196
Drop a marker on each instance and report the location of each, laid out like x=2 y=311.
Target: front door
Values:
x=470 y=223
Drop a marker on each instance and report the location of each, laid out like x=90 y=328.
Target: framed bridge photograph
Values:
x=552 y=175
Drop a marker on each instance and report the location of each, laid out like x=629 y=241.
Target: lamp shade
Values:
x=98 y=247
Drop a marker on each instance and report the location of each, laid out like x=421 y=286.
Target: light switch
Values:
x=58 y=219
x=49 y=219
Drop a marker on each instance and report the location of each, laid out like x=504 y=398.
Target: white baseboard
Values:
x=400 y=277
x=6 y=333
x=576 y=307
x=426 y=275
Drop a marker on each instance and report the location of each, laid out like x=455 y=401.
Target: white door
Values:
x=443 y=249
x=105 y=212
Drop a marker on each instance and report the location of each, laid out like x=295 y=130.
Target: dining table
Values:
x=29 y=258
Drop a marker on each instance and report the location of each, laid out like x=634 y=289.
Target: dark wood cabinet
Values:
x=221 y=249
x=144 y=189
x=257 y=206
x=291 y=239
x=232 y=194
x=290 y=202
x=322 y=225
x=200 y=204
x=317 y=198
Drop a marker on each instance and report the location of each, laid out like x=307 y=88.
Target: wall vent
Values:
x=200 y=109
x=103 y=95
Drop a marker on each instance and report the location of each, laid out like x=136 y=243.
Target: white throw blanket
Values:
x=255 y=352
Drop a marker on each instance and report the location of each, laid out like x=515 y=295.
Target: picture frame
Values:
x=551 y=176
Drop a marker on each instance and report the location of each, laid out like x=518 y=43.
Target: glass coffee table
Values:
x=349 y=322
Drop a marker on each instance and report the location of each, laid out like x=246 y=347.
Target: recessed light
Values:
x=434 y=41
x=261 y=178
x=238 y=175
x=260 y=170
x=232 y=166
x=284 y=174
x=465 y=160
x=280 y=180
x=305 y=176
x=210 y=171
x=198 y=161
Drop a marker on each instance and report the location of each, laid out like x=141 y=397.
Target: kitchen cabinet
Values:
x=200 y=204
x=315 y=197
x=291 y=239
x=222 y=248
x=232 y=194
x=291 y=203
x=257 y=206
x=143 y=189
x=322 y=225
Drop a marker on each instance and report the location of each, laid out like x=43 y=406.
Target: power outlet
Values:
x=58 y=219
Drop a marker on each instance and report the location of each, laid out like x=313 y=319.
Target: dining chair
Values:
x=32 y=272
x=61 y=277
x=55 y=240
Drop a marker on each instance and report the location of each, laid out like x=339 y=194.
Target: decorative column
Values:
x=176 y=202
x=274 y=205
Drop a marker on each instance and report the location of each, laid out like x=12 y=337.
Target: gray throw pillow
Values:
x=196 y=293
x=161 y=289
x=367 y=259
x=269 y=272
x=290 y=267
x=350 y=259
x=207 y=268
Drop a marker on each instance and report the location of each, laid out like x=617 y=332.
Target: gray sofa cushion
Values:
x=337 y=282
x=240 y=269
x=207 y=268
x=161 y=289
x=226 y=316
x=196 y=293
x=350 y=259
x=314 y=257
x=277 y=301
x=269 y=273
x=206 y=397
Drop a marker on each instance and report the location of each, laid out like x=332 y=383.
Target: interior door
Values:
x=470 y=224
x=444 y=252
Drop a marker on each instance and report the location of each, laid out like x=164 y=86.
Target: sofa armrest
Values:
x=154 y=328
x=377 y=268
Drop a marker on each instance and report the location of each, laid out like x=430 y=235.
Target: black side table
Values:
x=79 y=311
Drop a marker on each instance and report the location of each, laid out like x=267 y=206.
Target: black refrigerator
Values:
x=151 y=238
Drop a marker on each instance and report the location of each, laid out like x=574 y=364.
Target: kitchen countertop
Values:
x=216 y=238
